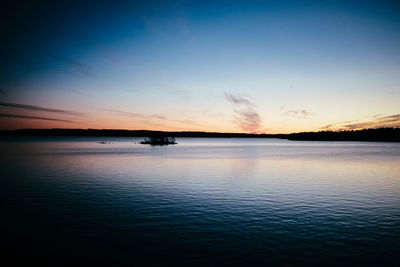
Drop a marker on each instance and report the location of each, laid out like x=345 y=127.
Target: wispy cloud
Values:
x=248 y=120
x=189 y=122
x=135 y=114
x=300 y=113
x=356 y=126
x=238 y=100
x=3 y=92
x=378 y=121
x=326 y=127
x=149 y=118
x=385 y=121
x=79 y=66
x=246 y=117
x=39 y=108
x=33 y=117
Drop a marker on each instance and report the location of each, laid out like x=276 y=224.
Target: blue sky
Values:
x=230 y=66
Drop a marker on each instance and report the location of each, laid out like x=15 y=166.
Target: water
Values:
x=207 y=202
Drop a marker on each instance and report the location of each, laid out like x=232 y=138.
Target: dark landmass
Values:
x=159 y=141
x=379 y=134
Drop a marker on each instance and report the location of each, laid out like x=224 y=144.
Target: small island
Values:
x=159 y=141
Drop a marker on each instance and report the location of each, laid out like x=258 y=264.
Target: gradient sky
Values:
x=226 y=66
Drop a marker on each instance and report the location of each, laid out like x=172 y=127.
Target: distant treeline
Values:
x=128 y=133
x=380 y=134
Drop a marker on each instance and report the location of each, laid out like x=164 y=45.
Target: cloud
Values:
x=137 y=115
x=238 y=100
x=33 y=117
x=248 y=120
x=386 y=121
x=377 y=122
x=246 y=117
x=39 y=108
x=145 y=118
x=157 y=116
x=390 y=119
x=326 y=127
x=77 y=65
x=190 y=122
x=3 y=92
x=356 y=126
x=300 y=113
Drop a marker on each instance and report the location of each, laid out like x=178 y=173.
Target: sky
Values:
x=217 y=66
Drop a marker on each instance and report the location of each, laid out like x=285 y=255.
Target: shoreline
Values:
x=368 y=135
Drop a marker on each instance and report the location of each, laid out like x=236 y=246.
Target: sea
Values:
x=111 y=201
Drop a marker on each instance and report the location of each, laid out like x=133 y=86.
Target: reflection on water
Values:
x=204 y=201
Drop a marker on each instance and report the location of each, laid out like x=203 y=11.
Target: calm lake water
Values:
x=207 y=202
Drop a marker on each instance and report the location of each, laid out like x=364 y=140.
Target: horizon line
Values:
x=163 y=131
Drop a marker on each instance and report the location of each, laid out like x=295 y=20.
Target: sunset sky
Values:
x=225 y=66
